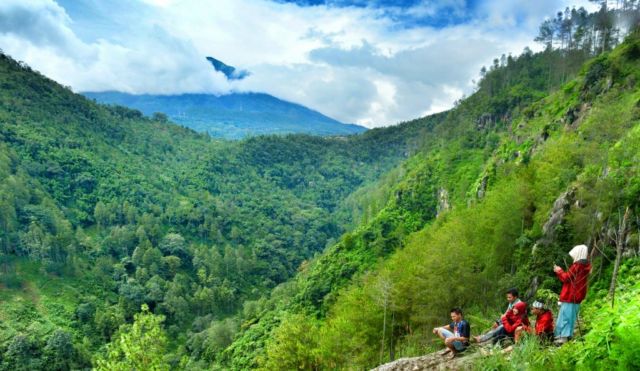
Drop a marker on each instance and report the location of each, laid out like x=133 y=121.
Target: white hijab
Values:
x=579 y=252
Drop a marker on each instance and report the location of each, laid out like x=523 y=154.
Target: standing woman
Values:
x=574 y=289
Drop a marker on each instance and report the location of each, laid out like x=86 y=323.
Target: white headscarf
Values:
x=579 y=252
x=538 y=305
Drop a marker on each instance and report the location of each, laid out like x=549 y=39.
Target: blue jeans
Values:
x=566 y=319
x=457 y=345
x=496 y=334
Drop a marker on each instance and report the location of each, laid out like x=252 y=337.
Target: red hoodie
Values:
x=544 y=323
x=574 y=287
x=511 y=323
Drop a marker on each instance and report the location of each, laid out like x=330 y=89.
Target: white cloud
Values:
x=354 y=64
x=160 y=3
x=39 y=33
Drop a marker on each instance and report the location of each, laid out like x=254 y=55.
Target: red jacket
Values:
x=509 y=314
x=544 y=323
x=574 y=287
x=512 y=321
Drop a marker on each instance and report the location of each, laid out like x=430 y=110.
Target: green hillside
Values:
x=471 y=217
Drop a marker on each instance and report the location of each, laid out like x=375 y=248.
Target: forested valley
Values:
x=128 y=242
x=104 y=210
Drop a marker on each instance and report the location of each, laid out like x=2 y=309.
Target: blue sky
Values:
x=407 y=13
x=369 y=62
x=95 y=19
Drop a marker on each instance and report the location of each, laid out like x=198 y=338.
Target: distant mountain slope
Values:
x=232 y=116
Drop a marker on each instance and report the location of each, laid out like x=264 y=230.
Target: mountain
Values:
x=232 y=116
x=230 y=72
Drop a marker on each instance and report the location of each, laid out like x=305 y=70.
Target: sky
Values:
x=374 y=63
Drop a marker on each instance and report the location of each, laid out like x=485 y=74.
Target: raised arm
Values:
x=565 y=276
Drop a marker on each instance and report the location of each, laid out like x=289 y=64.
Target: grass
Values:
x=41 y=303
x=611 y=340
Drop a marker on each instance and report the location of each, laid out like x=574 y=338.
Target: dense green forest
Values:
x=128 y=242
x=104 y=209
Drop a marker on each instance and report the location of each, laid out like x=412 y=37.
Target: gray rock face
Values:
x=560 y=208
x=482 y=188
x=485 y=121
x=443 y=201
x=433 y=361
x=574 y=115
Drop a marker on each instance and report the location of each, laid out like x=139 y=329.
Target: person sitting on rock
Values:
x=497 y=331
x=456 y=334
x=518 y=321
x=544 y=319
x=544 y=322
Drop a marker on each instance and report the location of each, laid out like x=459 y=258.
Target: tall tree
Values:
x=140 y=346
x=546 y=34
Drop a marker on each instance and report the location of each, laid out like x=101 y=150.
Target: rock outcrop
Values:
x=443 y=201
x=433 y=361
x=560 y=208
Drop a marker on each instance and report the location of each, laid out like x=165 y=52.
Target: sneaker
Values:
x=560 y=341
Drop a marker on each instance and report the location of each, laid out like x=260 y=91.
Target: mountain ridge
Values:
x=232 y=116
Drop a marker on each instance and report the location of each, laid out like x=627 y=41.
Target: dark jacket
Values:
x=574 y=287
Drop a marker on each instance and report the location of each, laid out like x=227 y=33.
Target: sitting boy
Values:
x=456 y=334
x=544 y=321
